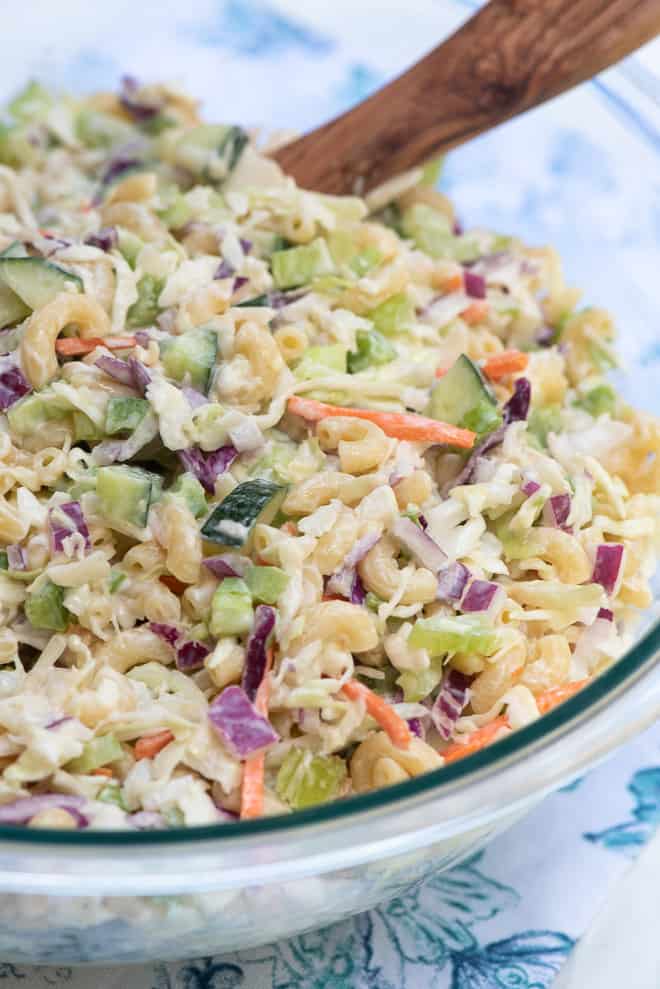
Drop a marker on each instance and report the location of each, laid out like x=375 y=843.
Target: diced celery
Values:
x=188 y=487
x=129 y=246
x=304 y=780
x=394 y=315
x=299 y=265
x=124 y=414
x=266 y=584
x=318 y=362
x=117 y=578
x=461 y=633
x=96 y=753
x=418 y=685
x=599 y=400
x=44 y=608
x=231 y=608
x=32 y=103
x=372 y=350
x=189 y=358
x=541 y=422
x=145 y=309
x=111 y=794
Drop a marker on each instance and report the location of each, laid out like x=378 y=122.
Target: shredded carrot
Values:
x=173 y=584
x=150 y=745
x=441 y=371
x=102 y=771
x=72 y=346
x=556 y=695
x=453 y=283
x=380 y=711
x=475 y=312
x=479 y=739
x=252 y=788
x=509 y=361
x=400 y=425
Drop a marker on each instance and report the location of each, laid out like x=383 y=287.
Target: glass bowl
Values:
x=577 y=173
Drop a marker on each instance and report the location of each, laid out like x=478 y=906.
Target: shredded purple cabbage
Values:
x=16 y=557
x=358 y=593
x=417 y=727
x=64 y=520
x=207 y=467
x=246 y=245
x=242 y=729
x=475 y=285
x=141 y=375
x=191 y=655
x=224 y=270
x=556 y=510
x=170 y=633
x=116 y=368
x=452 y=581
x=117 y=167
x=529 y=488
x=450 y=702
x=479 y=595
x=227 y=565
x=255 y=653
x=517 y=408
x=13 y=383
x=343 y=582
x=105 y=239
x=419 y=544
x=466 y=474
x=22 y=810
x=140 y=110
x=606 y=614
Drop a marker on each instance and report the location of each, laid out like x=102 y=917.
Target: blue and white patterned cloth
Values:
x=581 y=174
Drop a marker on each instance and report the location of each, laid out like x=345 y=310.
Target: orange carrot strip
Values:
x=150 y=745
x=173 y=584
x=380 y=711
x=479 y=739
x=102 y=771
x=475 y=312
x=252 y=788
x=72 y=346
x=400 y=425
x=454 y=283
x=499 y=365
x=557 y=695
x=441 y=371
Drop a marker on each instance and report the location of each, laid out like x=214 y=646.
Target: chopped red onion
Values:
x=140 y=110
x=417 y=728
x=358 y=594
x=246 y=245
x=13 y=383
x=556 y=510
x=191 y=655
x=195 y=398
x=24 y=809
x=117 y=167
x=466 y=474
x=452 y=581
x=143 y=337
x=115 y=368
x=423 y=522
x=255 y=653
x=207 y=468
x=64 y=520
x=58 y=721
x=475 y=285
x=16 y=558
x=457 y=228
x=224 y=270
x=606 y=614
x=105 y=239
x=448 y=706
x=529 y=488
x=170 y=633
x=607 y=566
x=546 y=336
x=242 y=729
x=141 y=376
x=480 y=595
x=239 y=282
x=517 y=408
x=147 y=820
x=166 y=320
x=227 y=565
x=343 y=582
x=419 y=544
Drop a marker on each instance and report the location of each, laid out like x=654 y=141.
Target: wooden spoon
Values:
x=512 y=55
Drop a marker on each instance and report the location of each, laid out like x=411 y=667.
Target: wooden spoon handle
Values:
x=513 y=55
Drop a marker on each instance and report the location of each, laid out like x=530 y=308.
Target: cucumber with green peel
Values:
x=12 y=308
x=231 y=608
x=190 y=358
x=373 y=350
x=29 y=415
x=145 y=309
x=126 y=493
x=462 y=397
x=231 y=522
x=15 y=250
x=36 y=281
x=191 y=491
x=266 y=584
x=394 y=315
x=124 y=414
x=96 y=752
x=44 y=608
x=318 y=362
x=208 y=145
x=299 y=265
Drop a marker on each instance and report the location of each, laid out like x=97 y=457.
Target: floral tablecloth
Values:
x=581 y=174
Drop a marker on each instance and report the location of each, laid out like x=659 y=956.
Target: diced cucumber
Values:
x=28 y=416
x=111 y=794
x=345 y=252
x=462 y=398
x=125 y=494
x=35 y=280
x=598 y=401
x=100 y=130
x=190 y=358
x=461 y=633
x=318 y=362
x=15 y=250
x=84 y=428
x=299 y=265
x=212 y=150
x=304 y=780
x=145 y=309
x=431 y=231
x=188 y=487
x=394 y=315
x=129 y=245
x=12 y=309
x=231 y=608
x=96 y=753
x=373 y=349
x=266 y=584
x=44 y=608
x=176 y=213
x=124 y=414
x=418 y=684
x=231 y=522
